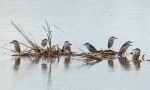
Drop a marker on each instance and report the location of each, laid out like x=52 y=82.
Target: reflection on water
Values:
x=44 y=66
x=67 y=62
x=137 y=64
x=124 y=63
x=49 y=75
x=36 y=59
x=47 y=66
x=111 y=63
x=17 y=63
x=90 y=62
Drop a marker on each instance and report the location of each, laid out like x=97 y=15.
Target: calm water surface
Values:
x=92 y=21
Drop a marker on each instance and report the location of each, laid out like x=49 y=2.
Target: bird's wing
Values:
x=121 y=50
x=44 y=43
x=123 y=45
x=69 y=48
x=92 y=48
x=17 y=47
x=110 y=43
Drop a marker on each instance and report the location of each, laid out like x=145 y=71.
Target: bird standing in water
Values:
x=90 y=47
x=66 y=47
x=16 y=45
x=111 y=41
x=136 y=54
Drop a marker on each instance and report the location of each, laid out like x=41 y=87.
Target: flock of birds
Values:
x=66 y=47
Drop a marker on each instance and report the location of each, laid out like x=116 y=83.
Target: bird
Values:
x=66 y=47
x=16 y=45
x=90 y=47
x=136 y=54
x=111 y=41
x=124 y=47
x=44 y=42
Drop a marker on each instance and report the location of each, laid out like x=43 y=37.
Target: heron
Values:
x=136 y=54
x=44 y=42
x=90 y=47
x=124 y=47
x=66 y=47
x=16 y=45
x=111 y=41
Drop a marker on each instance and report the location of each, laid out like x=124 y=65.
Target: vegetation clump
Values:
x=53 y=51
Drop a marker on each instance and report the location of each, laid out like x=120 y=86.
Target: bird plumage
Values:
x=90 y=47
x=66 y=47
x=111 y=41
x=44 y=42
x=136 y=54
x=16 y=45
x=123 y=48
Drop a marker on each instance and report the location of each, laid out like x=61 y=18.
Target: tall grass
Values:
x=49 y=33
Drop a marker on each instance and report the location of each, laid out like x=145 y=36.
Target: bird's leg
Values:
x=123 y=55
x=126 y=53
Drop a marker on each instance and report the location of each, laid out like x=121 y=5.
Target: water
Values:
x=92 y=21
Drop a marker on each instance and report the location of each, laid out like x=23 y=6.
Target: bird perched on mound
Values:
x=136 y=54
x=90 y=47
x=111 y=41
x=66 y=47
x=124 y=47
x=44 y=42
x=16 y=45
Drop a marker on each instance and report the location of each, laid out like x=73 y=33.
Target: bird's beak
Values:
x=83 y=44
x=131 y=42
x=70 y=44
x=116 y=38
x=11 y=42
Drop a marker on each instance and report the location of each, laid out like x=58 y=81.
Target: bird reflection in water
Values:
x=44 y=67
x=124 y=63
x=135 y=58
x=136 y=64
x=90 y=62
x=17 y=63
x=36 y=59
x=111 y=63
x=67 y=62
x=45 y=62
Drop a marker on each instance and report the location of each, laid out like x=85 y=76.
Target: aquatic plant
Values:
x=49 y=33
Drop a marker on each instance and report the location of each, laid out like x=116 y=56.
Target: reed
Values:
x=48 y=33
